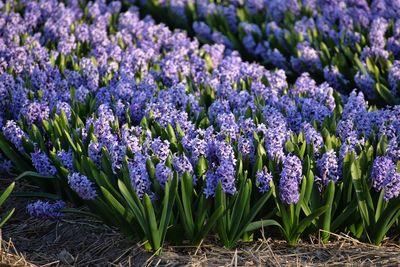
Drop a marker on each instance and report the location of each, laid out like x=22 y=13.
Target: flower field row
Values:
x=347 y=43
x=159 y=135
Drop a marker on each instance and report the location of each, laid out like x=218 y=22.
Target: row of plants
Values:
x=350 y=44
x=159 y=136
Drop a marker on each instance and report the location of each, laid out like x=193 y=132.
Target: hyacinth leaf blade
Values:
x=222 y=225
x=3 y=197
x=363 y=197
x=209 y=225
x=299 y=229
x=386 y=220
x=201 y=167
x=150 y=218
x=136 y=207
x=32 y=174
x=171 y=188
x=254 y=211
x=347 y=213
x=380 y=206
x=115 y=203
x=18 y=161
x=6 y=217
x=184 y=201
x=6 y=193
x=327 y=216
x=238 y=211
x=106 y=164
x=385 y=94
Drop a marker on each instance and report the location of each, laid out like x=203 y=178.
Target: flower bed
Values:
x=169 y=140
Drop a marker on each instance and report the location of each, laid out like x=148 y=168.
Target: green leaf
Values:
x=253 y=213
x=344 y=215
x=18 y=161
x=6 y=217
x=6 y=193
x=136 y=207
x=33 y=175
x=169 y=201
x=187 y=192
x=37 y=195
x=201 y=167
x=306 y=222
x=238 y=209
x=360 y=193
x=326 y=220
x=218 y=212
x=152 y=223
x=261 y=224
x=114 y=202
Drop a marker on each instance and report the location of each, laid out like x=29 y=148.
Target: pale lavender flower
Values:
x=290 y=180
x=263 y=179
x=82 y=186
x=139 y=176
x=13 y=133
x=381 y=169
x=313 y=137
x=163 y=172
x=392 y=186
x=160 y=148
x=328 y=168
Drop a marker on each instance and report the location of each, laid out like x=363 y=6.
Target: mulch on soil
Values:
x=79 y=241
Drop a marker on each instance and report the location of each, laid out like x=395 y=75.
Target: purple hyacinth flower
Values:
x=263 y=178
x=42 y=164
x=160 y=148
x=381 y=169
x=392 y=186
x=328 y=168
x=82 y=186
x=45 y=210
x=163 y=173
x=13 y=133
x=289 y=182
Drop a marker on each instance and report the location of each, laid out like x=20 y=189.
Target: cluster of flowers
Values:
x=348 y=43
x=88 y=90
